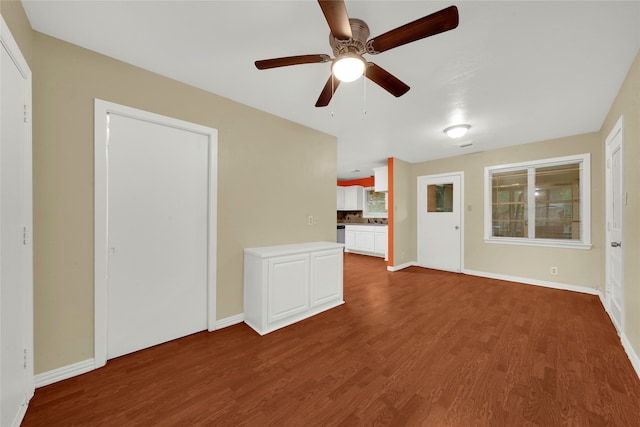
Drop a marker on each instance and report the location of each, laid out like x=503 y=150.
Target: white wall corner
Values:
x=401 y=266
x=64 y=373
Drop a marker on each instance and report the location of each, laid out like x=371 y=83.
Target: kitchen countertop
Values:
x=363 y=224
x=279 y=250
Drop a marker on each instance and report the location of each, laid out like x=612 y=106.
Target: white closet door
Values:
x=15 y=250
x=157 y=234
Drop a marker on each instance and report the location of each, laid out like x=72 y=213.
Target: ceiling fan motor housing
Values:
x=357 y=42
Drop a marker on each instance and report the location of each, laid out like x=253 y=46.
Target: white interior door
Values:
x=615 y=248
x=440 y=221
x=157 y=234
x=16 y=262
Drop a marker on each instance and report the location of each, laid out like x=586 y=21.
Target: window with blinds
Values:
x=543 y=202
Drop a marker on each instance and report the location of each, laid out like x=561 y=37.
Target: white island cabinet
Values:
x=288 y=283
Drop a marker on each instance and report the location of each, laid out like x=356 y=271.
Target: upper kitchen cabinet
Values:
x=340 y=197
x=381 y=179
x=350 y=198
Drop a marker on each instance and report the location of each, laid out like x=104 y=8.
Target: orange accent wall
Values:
x=390 y=212
x=365 y=182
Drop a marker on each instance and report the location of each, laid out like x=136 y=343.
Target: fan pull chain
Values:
x=364 y=85
x=332 y=92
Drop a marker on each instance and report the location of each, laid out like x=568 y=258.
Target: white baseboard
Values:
x=64 y=373
x=628 y=348
x=536 y=282
x=230 y=321
x=17 y=421
x=633 y=356
x=401 y=266
x=602 y=301
x=85 y=366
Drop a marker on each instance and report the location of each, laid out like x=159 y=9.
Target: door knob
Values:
x=616 y=244
x=457 y=227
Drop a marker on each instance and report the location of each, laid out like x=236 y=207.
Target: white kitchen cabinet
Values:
x=349 y=238
x=381 y=179
x=380 y=241
x=366 y=239
x=340 y=198
x=353 y=198
x=288 y=283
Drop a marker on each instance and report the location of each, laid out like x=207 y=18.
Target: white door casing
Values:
x=615 y=221
x=162 y=203
x=16 y=245
x=440 y=234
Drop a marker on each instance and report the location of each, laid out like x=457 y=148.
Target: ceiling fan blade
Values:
x=439 y=22
x=386 y=80
x=335 y=12
x=328 y=91
x=291 y=60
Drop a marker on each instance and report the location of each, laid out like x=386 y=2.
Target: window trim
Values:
x=365 y=206
x=585 y=202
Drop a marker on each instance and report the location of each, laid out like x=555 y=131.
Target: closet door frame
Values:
x=102 y=109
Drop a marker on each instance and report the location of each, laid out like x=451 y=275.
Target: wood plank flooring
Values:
x=416 y=347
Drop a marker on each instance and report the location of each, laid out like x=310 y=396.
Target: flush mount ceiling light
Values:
x=348 y=67
x=457 y=131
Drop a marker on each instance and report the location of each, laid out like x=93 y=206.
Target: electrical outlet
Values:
x=310 y=220
x=315 y=220
x=554 y=271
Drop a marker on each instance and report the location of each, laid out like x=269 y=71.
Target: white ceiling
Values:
x=517 y=72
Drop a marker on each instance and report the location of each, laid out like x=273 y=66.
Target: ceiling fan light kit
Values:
x=457 y=131
x=349 y=40
x=348 y=67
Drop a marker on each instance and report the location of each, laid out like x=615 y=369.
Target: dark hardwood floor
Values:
x=414 y=347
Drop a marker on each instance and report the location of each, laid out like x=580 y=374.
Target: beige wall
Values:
x=627 y=104
x=13 y=14
x=272 y=174
x=403 y=215
x=575 y=266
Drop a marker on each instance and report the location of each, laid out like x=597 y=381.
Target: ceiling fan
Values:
x=349 y=39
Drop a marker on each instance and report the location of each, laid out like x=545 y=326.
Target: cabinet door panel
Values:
x=326 y=277
x=288 y=286
x=350 y=239
x=380 y=243
x=365 y=241
x=353 y=198
x=340 y=198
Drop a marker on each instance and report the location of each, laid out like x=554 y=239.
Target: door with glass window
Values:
x=440 y=221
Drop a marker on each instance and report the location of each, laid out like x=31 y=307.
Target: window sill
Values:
x=539 y=242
